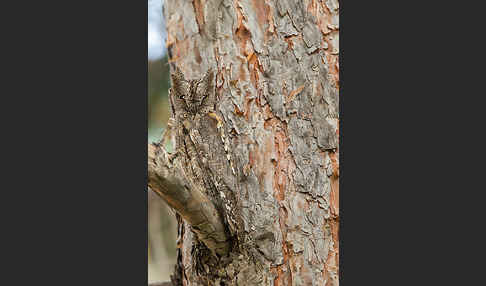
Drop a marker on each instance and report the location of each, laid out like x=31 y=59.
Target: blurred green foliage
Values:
x=158 y=86
x=162 y=226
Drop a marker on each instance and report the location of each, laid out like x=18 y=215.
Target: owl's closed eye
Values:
x=192 y=96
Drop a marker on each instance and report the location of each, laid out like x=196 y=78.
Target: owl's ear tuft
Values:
x=208 y=96
x=207 y=81
x=179 y=83
x=177 y=74
x=179 y=89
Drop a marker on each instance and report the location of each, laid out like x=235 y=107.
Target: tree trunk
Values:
x=276 y=69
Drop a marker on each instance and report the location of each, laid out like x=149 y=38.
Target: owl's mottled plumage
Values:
x=192 y=100
x=200 y=139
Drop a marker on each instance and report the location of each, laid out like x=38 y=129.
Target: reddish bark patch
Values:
x=197 y=55
x=220 y=76
x=251 y=158
x=281 y=163
x=281 y=175
x=261 y=10
x=290 y=42
x=311 y=6
x=334 y=195
x=333 y=68
x=237 y=111
x=242 y=74
x=254 y=67
x=294 y=92
x=247 y=110
x=331 y=264
x=271 y=25
x=239 y=14
x=267 y=114
x=243 y=36
x=283 y=277
x=179 y=50
x=170 y=40
x=198 y=10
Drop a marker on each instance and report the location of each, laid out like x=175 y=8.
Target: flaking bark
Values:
x=277 y=81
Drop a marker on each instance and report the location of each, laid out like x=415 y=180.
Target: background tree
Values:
x=276 y=81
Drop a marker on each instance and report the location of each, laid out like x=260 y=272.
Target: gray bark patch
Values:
x=312 y=36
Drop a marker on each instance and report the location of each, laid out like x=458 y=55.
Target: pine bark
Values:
x=277 y=82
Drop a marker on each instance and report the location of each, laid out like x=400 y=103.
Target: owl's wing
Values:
x=179 y=90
